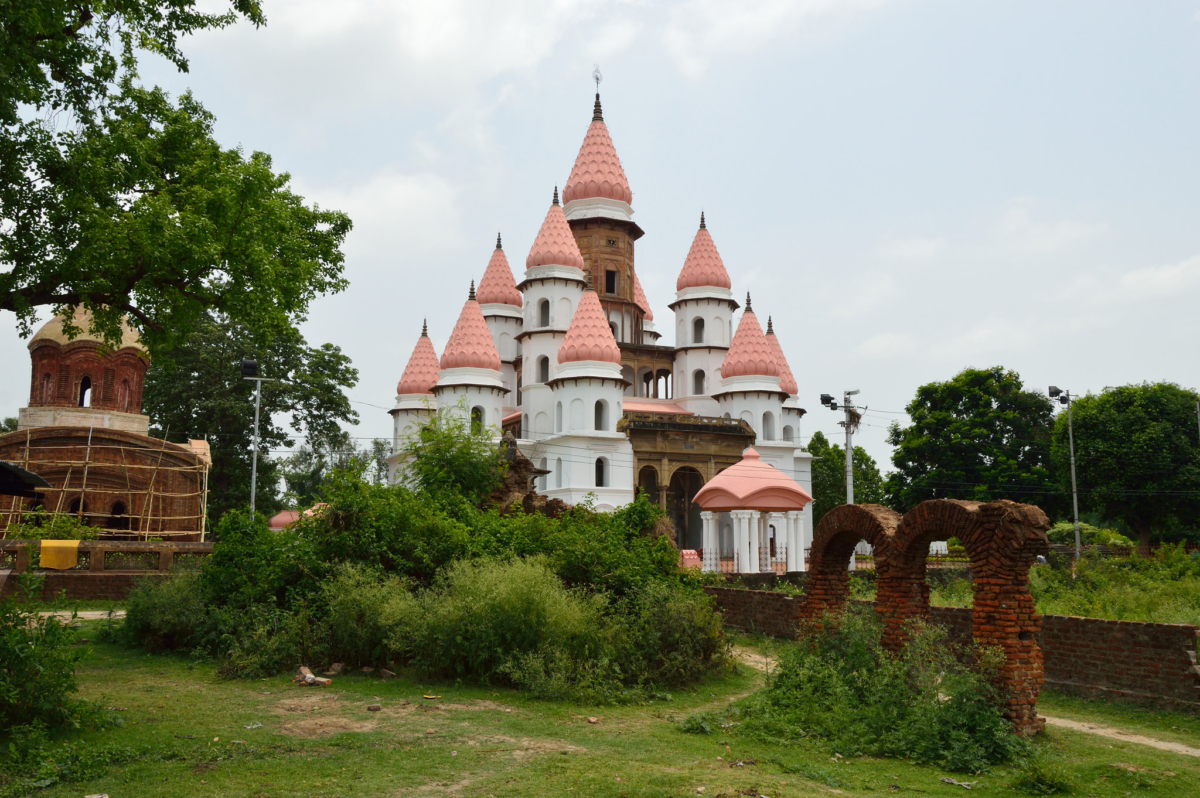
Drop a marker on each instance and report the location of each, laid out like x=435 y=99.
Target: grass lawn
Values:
x=479 y=742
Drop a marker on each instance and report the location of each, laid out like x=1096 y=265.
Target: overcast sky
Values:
x=909 y=187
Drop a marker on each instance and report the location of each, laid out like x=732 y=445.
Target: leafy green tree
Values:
x=200 y=393
x=449 y=457
x=306 y=471
x=829 y=477
x=980 y=436
x=183 y=226
x=9 y=424
x=1136 y=456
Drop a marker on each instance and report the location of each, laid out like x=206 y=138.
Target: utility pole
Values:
x=1064 y=397
x=850 y=425
x=250 y=372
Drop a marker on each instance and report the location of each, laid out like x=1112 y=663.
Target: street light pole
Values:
x=250 y=372
x=1064 y=397
x=850 y=423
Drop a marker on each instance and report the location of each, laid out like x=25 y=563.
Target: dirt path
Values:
x=1117 y=734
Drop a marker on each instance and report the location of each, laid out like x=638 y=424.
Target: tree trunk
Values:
x=1143 y=530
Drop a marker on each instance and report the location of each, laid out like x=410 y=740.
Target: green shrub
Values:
x=1040 y=775
x=554 y=674
x=666 y=636
x=39 y=524
x=168 y=614
x=365 y=607
x=263 y=641
x=1063 y=533
x=37 y=671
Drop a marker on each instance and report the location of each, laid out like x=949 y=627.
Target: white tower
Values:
x=797 y=528
x=552 y=288
x=500 y=302
x=414 y=399
x=703 y=308
x=469 y=383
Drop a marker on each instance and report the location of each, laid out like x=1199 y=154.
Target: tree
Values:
x=9 y=424
x=1137 y=456
x=978 y=436
x=200 y=393
x=306 y=471
x=181 y=226
x=829 y=477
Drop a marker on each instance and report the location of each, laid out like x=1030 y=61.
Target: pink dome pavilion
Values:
x=752 y=484
x=589 y=337
x=703 y=266
x=498 y=286
x=470 y=345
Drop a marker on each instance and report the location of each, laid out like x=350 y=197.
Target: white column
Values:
x=764 y=543
x=745 y=541
x=711 y=544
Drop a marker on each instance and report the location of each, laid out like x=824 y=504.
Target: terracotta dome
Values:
x=597 y=171
x=555 y=244
x=786 y=381
x=752 y=484
x=471 y=345
x=703 y=266
x=589 y=337
x=53 y=331
x=749 y=353
x=639 y=298
x=421 y=373
x=497 y=286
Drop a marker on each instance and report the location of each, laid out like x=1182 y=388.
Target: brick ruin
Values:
x=1002 y=539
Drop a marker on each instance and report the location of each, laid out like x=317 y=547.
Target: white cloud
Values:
x=991 y=336
x=1023 y=226
x=913 y=248
x=887 y=345
x=1152 y=282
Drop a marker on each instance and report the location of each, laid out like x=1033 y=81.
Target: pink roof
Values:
x=421 y=373
x=786 y=381
x=283 y=519
x=703 y=266
x=639 y=298
x=497 y=286
x=690 y=558
x=749 y=353
x=752 y=485
x=589 y=337
x=597 y=171
x=471 y=345
x=647 y=406
x=555 y=244
x=513 y=416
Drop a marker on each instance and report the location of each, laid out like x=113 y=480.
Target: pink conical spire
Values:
x=786 y=381
x=749 y=353
x=497 y=286
x=589 y=337
x=421 y=373
x=597 y=171
x=470 y=345
x=555 y=245
x=639 y=298
x=703 y=266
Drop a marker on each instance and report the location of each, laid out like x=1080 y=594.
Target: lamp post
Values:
x=1064 y=397
x=849 y=424
x=250 y=372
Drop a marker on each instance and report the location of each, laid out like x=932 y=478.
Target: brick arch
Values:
x=833 y=543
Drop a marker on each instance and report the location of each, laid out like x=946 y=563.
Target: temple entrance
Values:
x=686 y=482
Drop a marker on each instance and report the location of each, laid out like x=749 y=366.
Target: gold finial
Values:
x=748 y=308
x=555 y=200
x=471 y=294
x=702 y=227
x=770 y=331
x=498 y=242
x=424 y=328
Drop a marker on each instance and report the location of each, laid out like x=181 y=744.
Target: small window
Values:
x=600 y=469
x=543 y=369
x=542 y=478
x=601 y=415
x=610 y=281
x=789 y=434
x=524 y=425
x=612 y=325
x=558 y=417
x=698 y=383
x=118 y=517
x=85 y=392
x=698 y=331
x=544 y=313
x=768 y=426
x=79 y=507
x=558 y=472
x=477 y=419
x=518 y=390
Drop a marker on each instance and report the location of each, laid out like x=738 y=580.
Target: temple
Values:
x=568 y=360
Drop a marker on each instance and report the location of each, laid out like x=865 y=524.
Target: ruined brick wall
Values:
x=769 y=613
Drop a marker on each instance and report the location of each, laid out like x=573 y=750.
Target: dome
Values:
x=751 y=484
x=639 y=298
x=471 y=345
x=421 y=373
x=787 y=382
x=53 y=331
x=597 y=171
x=589 y=337
x=555 y=244
x=703 y=266
x=497 y=286
x=749 y=353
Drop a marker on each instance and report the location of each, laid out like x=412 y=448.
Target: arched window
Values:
x=85 y=392
x=601 y=415
x=789 y=434
x=612 y=325
x=543 y=369
x=558 y=472
x=524 y=425
x=542 y=478
x=558 y=417
x=518 y=390
x=47 y=389
x=768 y=426
x=477 y=419
x=698 y=382
x=600 y=472
x=123 y=394
x=78 y=507
x=726 y=416
x=118 y=516
x=698 y=331
x=544 y=313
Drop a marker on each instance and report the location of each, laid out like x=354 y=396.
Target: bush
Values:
x=37 y=671
x=168 y=614
x=365 y=607
x=1063 y=534
x=838 y=684
x=39 y=524
x=666 y=636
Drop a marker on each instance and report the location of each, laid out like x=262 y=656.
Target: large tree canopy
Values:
x=200 y=393
x=1137 y=456
x=979 y=436
x=132 y=207
x=829 y=477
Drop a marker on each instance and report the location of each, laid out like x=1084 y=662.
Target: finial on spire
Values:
x=555 y=201
x=702 y=227
x=471 y=294
x=498 y=242
x=597 y=114
x=748 y=308
x=770 y=331
x=424 y=328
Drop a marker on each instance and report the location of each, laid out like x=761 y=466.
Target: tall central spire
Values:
x=597 y=173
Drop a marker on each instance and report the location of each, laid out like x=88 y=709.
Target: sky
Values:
x=908 y=187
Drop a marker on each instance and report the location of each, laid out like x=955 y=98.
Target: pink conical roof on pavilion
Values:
x=786 y=381
x=597 y=171
x=555 y=244
x=589 y=337
x=703 y=266
x=421 y=373
x=470 y=345
x=498 y=286
x=752 y=484
x=639 y=298
x=749 y=353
